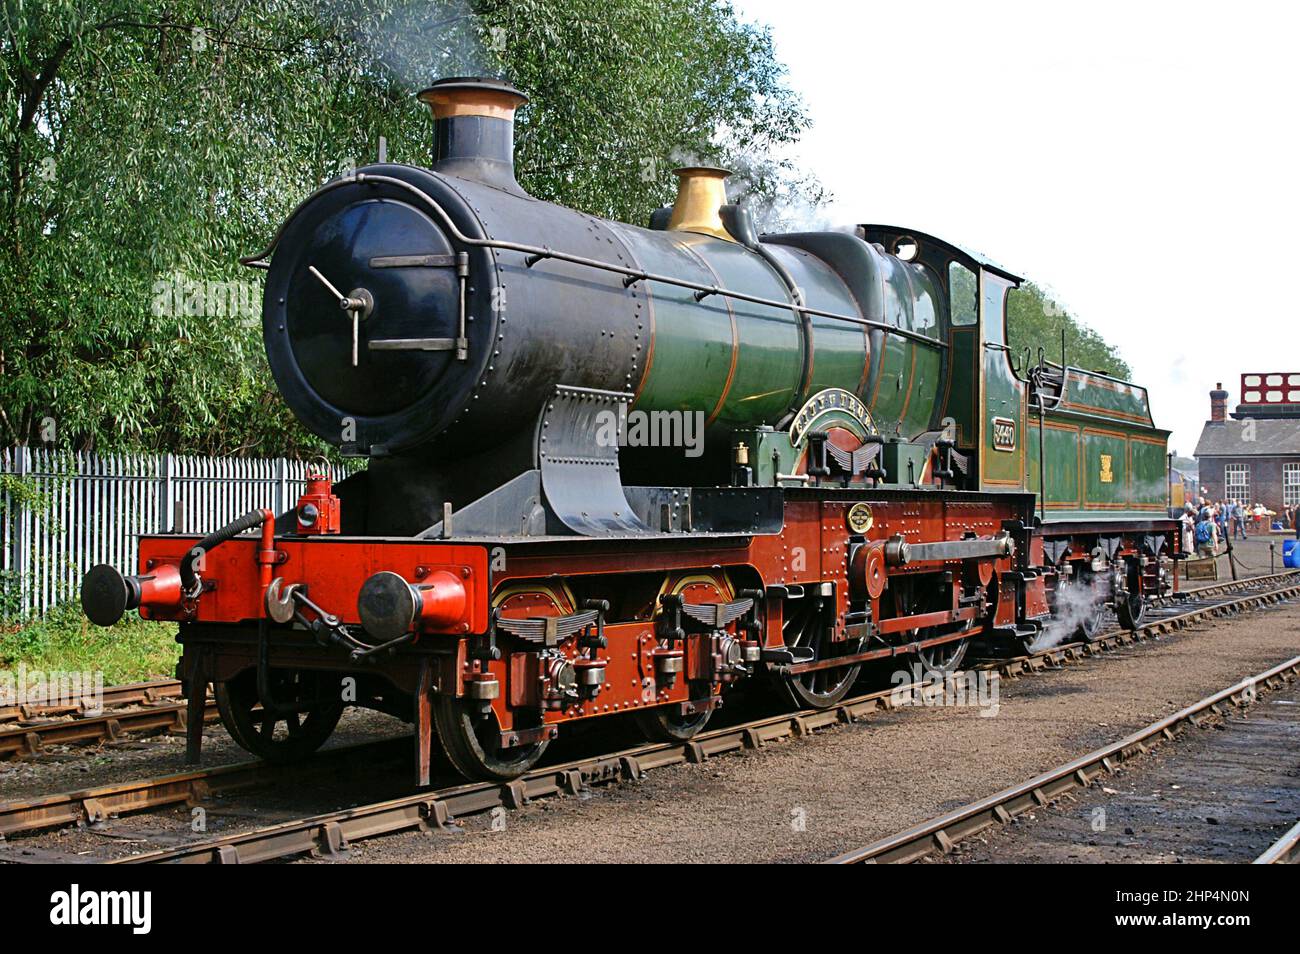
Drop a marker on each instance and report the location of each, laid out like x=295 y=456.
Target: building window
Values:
x=1291 y=484
x=1236 y=482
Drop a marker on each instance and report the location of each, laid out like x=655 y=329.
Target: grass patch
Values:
x=133 y=650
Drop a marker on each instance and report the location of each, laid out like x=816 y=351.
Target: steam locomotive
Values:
x=618 y=470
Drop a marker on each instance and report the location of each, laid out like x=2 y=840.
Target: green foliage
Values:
x=64 y=640
x=695 y=88
x=1034 y=321
x=23 y=492
x=149 y=144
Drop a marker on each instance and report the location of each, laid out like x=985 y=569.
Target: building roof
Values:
x=1261 y=411
x=1271 y=437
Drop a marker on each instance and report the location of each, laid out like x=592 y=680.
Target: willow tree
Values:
x=148 y=145
x=1035 y=321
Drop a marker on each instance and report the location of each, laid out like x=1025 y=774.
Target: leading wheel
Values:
x=308 y=707
x=669 y=724
x=472 y=741
x=806 y=632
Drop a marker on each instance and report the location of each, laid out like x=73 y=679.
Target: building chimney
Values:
x=1218 y=404
x=474 y=128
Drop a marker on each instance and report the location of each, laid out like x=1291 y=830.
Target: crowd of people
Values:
x=1207 y=524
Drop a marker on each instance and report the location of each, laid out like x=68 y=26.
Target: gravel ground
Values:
x=809 y=799
x=1222 y=793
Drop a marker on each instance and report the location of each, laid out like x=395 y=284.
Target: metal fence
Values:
x=61 y=513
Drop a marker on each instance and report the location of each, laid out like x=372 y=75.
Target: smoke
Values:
x=780 y=200
x=1076 y=603
x=418 y=42
x=1151 y=490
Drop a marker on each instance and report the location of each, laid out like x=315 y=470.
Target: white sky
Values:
x=1138 y=159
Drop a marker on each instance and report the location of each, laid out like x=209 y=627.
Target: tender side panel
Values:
x=1100 y=396
x=1061 y=442
x=1148 y=467
x=1097 y=467
x=1105 y=474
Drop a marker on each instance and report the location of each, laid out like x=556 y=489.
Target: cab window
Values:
x=962 y=301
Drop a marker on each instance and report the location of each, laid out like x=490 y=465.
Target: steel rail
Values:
x=1284 y=851
x=330 y=834
x=134 y=693
x=97 y=804
x=1228 y=586
x=105 y=727
x=939 y=835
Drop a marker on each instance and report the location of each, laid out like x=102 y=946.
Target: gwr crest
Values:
x=1107 y=473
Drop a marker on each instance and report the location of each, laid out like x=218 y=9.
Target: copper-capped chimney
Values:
x=701 y=194
x=1218 y=404
x=474 y=128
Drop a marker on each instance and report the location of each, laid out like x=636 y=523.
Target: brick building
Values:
x=1253 y=454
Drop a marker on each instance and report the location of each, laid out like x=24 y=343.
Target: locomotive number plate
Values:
x=1004 y=434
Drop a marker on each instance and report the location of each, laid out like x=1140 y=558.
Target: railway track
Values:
x=135 y=693
x=1284 y=851
x=134 y=709
x=939 y=835
x=1168 y=617
x=1228 y=586
x=93 y=806
x=329 y=834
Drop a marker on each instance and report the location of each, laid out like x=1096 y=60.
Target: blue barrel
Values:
x=1291 y=553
